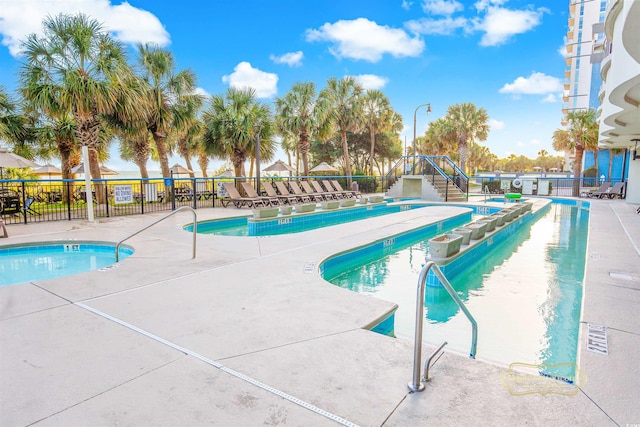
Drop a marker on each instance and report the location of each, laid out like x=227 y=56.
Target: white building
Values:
x=582 y=73
x=619 y=95
x=583 y=56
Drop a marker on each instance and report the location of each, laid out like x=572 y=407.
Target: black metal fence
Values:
x=27 y=201
x=540 y=186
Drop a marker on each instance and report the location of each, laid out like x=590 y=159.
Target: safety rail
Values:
x=195 y=229
x=416 y=384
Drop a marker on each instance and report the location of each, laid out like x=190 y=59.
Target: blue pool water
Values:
x=295 y=223
x=285 y=224
x=525 y=293
x=49 y=260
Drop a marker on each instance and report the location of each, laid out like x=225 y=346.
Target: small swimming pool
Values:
x=525 y=293
x=50 y=260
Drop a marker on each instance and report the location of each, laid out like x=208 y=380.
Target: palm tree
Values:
x=189 y=132
x=135 y=147
x=297 y=117
x=377 y=113
x=439 y=138
x=232 y=123
x=581 y=132
x=12 y=124
x=466 y=123
x=543 y=156
x=341 y=107
x=168 y=98
x=74 y=68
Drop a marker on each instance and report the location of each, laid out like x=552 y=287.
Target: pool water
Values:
x=525 y=294
x=26 y=263
x=296 y=223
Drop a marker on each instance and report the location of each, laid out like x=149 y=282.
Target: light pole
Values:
x=257 y=129
x=428 y=105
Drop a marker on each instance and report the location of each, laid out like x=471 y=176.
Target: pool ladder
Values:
x=195 y=229
x=416 y=382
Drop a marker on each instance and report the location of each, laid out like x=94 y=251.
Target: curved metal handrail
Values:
x=416 y=384
x=195 y=229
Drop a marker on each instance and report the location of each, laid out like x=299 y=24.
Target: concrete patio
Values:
x=248 y=333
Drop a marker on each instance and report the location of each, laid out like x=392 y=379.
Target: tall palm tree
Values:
x=341 y=107
x=74 y=69
x=377 y=113
x=581 y=132
x=166 y=96
x=296 y=116
x=466 y=123
x=232 y=123
x=188 y=131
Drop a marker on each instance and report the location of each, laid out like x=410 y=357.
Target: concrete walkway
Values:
x=249 y=334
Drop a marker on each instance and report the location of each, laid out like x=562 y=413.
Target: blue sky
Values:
x=503 y=55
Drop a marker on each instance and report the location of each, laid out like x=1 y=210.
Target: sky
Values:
x=505 y=56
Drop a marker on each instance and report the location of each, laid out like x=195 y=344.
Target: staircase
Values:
x=448 y=190
x=435 y=178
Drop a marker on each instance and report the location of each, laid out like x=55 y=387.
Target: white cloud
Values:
x=500 y=24
x=535 y=84
x=535 y=142
x=19 y=18
x=364 y=39
x=444 y=26
x=551 y=99
x=496 y=124
x=244 y=75
x=441 y=7
x=292 y=59
x=371 y=81
x=200 y=91
x=406 y=5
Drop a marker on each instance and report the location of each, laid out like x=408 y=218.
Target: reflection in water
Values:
x=525 y=294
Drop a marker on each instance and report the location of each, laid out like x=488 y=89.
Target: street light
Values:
x=428 y=105
x=257 y=129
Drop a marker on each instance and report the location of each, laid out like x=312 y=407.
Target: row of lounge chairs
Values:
x=606 y=190
x=311 y=192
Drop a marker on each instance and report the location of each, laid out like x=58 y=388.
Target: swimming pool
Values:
x=295 y=223
x=525 y=293
x=50 y=260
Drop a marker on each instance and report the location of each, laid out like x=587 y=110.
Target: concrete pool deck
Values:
x=249 y=334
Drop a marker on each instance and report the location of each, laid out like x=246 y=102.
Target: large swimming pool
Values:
x=525 y=293
x=50 y=260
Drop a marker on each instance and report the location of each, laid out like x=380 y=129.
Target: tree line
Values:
x=77 y=89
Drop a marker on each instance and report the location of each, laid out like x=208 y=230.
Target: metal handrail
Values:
x=195 y=229
x=416 y=384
